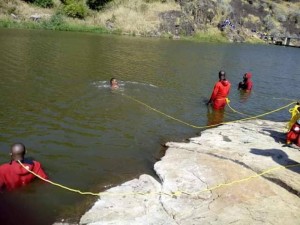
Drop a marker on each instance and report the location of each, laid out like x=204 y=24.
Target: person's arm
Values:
x=1 y=181
x=240 y=86
x=43 y=174
x=39 y=171
x=213 y=94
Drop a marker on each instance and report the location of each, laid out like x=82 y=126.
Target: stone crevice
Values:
x=166 y=211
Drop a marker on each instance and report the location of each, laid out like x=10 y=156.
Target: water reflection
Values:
x=214 y=116
x=244 y=95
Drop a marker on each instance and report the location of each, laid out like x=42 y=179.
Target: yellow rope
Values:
x=56 y=184
x=208 y=126
x=176 y=193
x=228 y=101
x=248 y=178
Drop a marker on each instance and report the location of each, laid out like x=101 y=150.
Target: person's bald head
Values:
x=17 y=151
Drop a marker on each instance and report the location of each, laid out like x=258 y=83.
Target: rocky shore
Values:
x=188 y=191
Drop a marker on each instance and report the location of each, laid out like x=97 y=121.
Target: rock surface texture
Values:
x=190 y=174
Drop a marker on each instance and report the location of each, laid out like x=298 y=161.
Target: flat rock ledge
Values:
x=187 y=192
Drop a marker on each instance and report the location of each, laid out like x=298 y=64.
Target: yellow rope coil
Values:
x=295 y=115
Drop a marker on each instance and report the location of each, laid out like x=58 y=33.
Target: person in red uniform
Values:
x=293 y=136
x=220 y=92
x=247 y=83
x=13 y=175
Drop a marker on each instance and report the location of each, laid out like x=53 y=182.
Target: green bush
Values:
x=44 y=3
x=41 y=3
x=96 y=4
x=75 y=10
x=56 y=21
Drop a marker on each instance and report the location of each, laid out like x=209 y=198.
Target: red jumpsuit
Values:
x=293 y=136
x=13 y=175
x=248 y=83
x=219 y=94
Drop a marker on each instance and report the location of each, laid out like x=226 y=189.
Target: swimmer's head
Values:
x=114 y=83
x=222 y=75
x=17 y=151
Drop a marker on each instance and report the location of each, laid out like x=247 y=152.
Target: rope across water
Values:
x=179 y=192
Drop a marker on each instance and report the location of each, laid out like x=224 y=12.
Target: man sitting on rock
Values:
x=293 y=136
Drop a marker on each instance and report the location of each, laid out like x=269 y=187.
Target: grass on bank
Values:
x=133 y=17
x=210 y=35
x=56 y=22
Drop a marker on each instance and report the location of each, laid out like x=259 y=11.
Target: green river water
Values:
x=55 y=98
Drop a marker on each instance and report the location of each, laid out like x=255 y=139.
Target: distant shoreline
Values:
x=55 y=25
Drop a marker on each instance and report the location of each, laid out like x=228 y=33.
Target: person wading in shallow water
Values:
x=220 y=92
x=247 y=83
x=13 y=175
x=114 y=83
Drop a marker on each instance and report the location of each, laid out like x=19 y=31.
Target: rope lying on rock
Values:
x=171 y=194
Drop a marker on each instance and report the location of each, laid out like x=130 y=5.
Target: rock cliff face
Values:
x=239 y=20
x=248 y=17
x=188 y=190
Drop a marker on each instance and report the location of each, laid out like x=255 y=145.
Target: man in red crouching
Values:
x=220 y=92
x=293 y=136
x=13 y=175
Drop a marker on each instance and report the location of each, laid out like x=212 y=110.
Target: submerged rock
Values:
x=190 y=175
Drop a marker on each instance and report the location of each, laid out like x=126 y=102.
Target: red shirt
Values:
x=248 y=85
x=13 y=175
x=249 y=82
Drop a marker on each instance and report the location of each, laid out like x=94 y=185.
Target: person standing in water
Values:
x=247 y=83
x=220 y=92
x=13 y=175
x=114 y=83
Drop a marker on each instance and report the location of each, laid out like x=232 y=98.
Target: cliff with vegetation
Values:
x=212 y=20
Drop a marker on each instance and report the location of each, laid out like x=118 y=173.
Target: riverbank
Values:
x=134 y=18
x=227 y=21
x=236 y=173
x=57 y=23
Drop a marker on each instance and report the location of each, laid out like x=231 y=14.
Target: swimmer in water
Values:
x=114 y=83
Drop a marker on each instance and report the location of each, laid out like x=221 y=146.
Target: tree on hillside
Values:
x=96 y=4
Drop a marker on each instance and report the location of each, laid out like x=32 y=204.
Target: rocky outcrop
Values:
x=250 y=18
x=212 y=179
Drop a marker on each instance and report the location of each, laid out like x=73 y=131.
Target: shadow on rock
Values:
x=279 y=137
x=279 y=157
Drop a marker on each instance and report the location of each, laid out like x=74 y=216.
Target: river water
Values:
x=55 y=98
